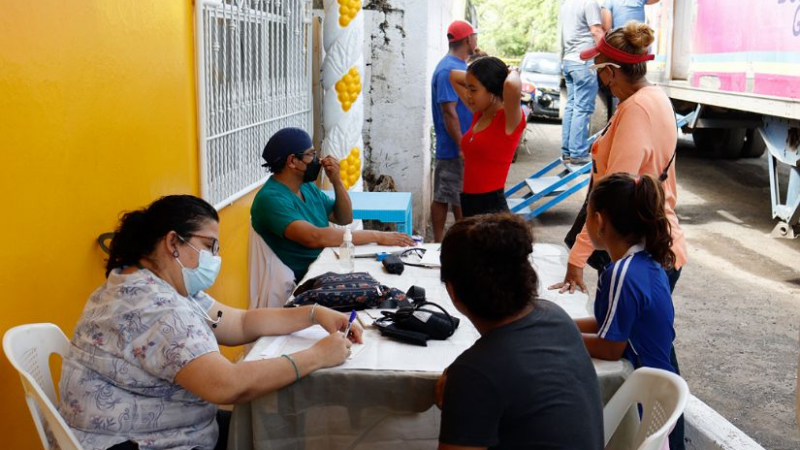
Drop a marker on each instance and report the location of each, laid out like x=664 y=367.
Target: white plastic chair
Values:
x=271 y=281
x=662 y=395
x=28 y=348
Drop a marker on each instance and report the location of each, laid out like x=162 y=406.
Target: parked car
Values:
x=540 y=74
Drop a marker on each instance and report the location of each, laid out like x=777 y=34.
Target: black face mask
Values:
x=604 y=85
x=312 y=170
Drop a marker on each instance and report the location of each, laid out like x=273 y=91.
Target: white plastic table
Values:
x=389 y=405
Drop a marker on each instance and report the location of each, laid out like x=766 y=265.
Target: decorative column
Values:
x=342 y=69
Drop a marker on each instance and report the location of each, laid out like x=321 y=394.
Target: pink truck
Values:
x=737 y=63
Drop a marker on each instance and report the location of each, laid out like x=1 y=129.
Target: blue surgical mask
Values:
x=203 y=277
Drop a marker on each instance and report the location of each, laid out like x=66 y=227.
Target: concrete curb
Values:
x=707 y=430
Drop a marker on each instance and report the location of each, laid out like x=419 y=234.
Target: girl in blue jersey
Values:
x=633 y=312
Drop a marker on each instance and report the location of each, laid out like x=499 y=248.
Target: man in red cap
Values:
x=451 y=118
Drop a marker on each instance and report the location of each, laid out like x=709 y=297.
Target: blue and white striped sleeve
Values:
x=616 y=321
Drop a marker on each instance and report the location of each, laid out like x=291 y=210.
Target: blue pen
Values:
x=350 y=322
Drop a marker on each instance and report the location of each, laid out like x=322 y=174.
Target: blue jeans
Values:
x=581 y=93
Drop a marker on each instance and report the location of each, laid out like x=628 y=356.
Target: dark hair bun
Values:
x=639 y=35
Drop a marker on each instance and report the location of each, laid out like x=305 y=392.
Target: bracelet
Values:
x=313 y=320
x=294 y=364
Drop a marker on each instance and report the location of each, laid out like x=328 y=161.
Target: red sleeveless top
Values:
x=488 y=154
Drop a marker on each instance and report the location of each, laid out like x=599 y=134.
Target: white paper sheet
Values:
x=299 y=341
x=379 y=353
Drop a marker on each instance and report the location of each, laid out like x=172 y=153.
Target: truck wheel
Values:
x=754 y=145
x=725 y=143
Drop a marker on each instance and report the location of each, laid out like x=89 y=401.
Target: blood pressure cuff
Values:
x=417 y=324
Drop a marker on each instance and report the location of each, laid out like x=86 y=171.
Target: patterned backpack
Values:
x=346 y=292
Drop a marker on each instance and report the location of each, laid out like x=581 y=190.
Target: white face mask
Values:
x=204 y=276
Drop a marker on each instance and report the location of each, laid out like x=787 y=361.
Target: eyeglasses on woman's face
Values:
x=210 y=242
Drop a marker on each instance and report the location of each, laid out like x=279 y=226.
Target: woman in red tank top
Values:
x=492 y=92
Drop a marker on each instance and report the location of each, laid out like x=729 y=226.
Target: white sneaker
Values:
x=575 y=167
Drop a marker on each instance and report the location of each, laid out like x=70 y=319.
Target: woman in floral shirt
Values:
x=144 y=367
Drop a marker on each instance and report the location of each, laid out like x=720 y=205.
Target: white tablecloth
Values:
x=383 y=397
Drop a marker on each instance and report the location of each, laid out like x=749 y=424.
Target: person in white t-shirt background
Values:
x=581 y=28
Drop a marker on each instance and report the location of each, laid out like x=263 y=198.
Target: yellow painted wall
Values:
x=97 y=116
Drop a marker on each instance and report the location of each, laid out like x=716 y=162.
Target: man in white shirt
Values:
x=580 y=29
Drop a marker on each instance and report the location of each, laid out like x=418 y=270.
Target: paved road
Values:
x=738 y=299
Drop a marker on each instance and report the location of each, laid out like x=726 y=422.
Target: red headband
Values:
x=614 y=53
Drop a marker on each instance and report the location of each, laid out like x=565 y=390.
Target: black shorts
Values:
x=486 y=203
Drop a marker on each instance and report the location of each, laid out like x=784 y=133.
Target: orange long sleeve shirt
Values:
x=640 y=140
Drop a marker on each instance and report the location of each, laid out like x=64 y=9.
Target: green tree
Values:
x=509 y=28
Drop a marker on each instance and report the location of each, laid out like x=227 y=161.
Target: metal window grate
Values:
x=254 y=78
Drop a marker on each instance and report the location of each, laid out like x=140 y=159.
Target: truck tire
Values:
x=725 y=143
x=754 y=145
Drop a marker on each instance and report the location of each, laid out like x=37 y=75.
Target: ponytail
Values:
x=139 y=231
x=635 y=207
x=649 y=205
x=130 y=241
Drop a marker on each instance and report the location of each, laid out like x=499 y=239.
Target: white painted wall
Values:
x=405 y=39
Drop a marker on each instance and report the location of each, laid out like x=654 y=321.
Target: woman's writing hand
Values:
x=334 y=321
x=332 y=350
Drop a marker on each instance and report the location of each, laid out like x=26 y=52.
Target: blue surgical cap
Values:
x=285 y=142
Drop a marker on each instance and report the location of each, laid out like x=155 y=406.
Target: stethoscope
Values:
x=197 y=307
x=204 y=314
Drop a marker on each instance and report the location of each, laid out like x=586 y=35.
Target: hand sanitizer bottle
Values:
x=347 y=252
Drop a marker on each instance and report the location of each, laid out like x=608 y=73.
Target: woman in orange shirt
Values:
x=639 y=139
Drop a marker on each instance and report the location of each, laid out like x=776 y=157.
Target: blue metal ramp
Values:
x=558 y=180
